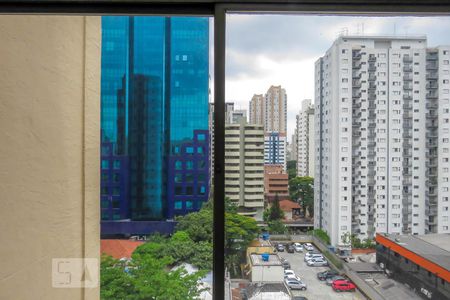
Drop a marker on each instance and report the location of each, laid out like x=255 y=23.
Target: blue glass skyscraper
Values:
x=154 y=117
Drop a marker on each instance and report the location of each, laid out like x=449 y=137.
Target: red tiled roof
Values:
x=288 y=205
x=119 y=248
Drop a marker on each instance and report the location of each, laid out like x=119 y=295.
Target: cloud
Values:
x=265 y=50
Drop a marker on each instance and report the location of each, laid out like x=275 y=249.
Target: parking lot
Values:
x=316 y=289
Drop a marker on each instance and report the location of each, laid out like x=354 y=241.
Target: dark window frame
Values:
x=218 y=9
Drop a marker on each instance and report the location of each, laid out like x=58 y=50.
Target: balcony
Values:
x=407 y=87
x=433 y=85
x=431 y=193
x=431 y=95
x=356 y=105
x=407 y=78
x=356 y=95
x=407 y=135
x=407 y=106
x=372 y=77
x=432 y=66
x=356 y=65
x=431 y=116
x=407 y=97
x=431 y=144
x=356 y=124
x=407 y=115
x=372 y=68
x=372 y=86
x=356 y=83
x=431 y=75
x=432 y=56
x=407 y=59
x=431 y=105
x=407 y=69
x=356 y=55
x=372 y=58
x=431 y=134
x=356 y=75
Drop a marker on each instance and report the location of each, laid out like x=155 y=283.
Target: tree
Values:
x=239 y=232
x=198 y=225
x=291 y=167
x=301 y=189
x=146 y=277
x=276 y=227
x=275 y=212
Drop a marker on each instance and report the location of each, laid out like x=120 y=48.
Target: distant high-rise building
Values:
x=244 y=167
x=256 y=109
x=154 y=119
x=275 y=149
x=382 y=137
x=270 y=111
x=305 y=140
x=235 y=116
x=275 y=110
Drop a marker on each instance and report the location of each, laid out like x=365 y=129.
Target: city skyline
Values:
x=261 y=51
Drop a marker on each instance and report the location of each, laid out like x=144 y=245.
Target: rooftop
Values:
x=257 y=260
x=119 y=248
x=287 y=205
x=433 y=247
x=268 y=291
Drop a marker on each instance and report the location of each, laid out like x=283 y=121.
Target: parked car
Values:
x=309 y=247
x=298 y=247
x=309 y=256
x=299 y=298
x=317 y=262
x=334 y=278
x=285 y=263
x=289 y=272
x=290 y=249
x=343 y=286
x=326 y=274
x=294 y=284
x=280 y=247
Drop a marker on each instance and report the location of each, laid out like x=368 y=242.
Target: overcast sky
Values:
x=264 y=50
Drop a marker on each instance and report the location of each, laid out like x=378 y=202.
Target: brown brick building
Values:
x=275 y=182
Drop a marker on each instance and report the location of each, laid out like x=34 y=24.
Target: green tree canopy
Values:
x=301 y=190
x=275 y=212
x=291 y=167
x=146 y=277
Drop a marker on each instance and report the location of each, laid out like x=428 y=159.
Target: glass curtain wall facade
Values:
x=154 y=117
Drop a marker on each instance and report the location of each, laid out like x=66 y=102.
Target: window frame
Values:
x=218 y=10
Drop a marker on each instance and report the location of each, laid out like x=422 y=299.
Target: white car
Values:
x=298 y=247
x=289 y=272
x=309 y=256
x=317 y=262
x=294 y=277
x=309 y=247
x=294 y=284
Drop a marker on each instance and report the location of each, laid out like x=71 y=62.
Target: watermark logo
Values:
x=75 y=272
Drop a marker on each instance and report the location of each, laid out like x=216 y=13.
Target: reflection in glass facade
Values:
x=154 y=117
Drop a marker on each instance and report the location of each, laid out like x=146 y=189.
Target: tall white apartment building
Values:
x=244 y=167
x=305 y=139
x=382 y=137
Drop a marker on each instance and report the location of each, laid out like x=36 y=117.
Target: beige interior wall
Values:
x=49 y=150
